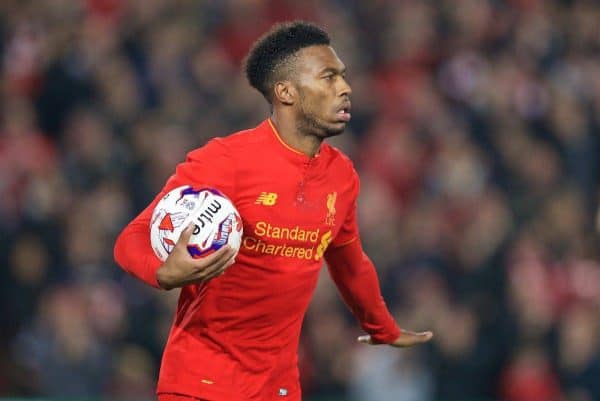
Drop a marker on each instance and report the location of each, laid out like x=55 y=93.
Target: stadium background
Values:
x=476 y=133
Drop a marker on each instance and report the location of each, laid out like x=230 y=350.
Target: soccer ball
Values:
x=216 y=218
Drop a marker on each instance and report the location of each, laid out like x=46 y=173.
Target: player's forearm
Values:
x=133 y=253
x=356 y=279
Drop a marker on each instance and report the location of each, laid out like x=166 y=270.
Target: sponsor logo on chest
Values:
x=291 y=241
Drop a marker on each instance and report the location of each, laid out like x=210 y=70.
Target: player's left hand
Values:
x=406 y=339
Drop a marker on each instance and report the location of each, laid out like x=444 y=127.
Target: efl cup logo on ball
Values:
x=217 y=221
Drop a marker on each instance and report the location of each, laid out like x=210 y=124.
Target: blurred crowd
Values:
x=476 y=134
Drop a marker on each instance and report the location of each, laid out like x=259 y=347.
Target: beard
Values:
x=310 y=124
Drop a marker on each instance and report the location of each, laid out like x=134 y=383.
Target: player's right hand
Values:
x=181 y=269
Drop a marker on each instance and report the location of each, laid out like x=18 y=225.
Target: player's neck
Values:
x=290 y=134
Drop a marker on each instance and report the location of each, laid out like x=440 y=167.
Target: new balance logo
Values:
x=266 y=198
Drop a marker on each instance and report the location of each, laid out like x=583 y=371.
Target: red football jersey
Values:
x=236 y=337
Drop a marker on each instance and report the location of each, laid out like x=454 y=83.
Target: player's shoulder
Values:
x=234 y=143
x=339 y=161
x=342 y=168
x=241 y=139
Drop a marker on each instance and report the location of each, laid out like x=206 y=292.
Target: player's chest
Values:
x=292 y=206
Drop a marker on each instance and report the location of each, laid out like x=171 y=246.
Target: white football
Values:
x=216 y=218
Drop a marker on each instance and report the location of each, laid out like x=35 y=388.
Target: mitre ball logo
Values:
x=217 y=221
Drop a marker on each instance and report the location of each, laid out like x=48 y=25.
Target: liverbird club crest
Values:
x=330 y=218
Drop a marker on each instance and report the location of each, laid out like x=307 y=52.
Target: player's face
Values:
x=323 y=93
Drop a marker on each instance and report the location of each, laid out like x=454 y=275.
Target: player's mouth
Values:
x=343 y=113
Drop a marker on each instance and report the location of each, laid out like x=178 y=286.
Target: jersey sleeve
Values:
x=356 y=279
x=349 y=230
x=209 y=166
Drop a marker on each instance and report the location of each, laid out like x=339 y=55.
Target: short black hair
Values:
x=273 y=50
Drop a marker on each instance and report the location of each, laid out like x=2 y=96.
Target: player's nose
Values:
x=345 y=89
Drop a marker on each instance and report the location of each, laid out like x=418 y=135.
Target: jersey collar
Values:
x=290 y=152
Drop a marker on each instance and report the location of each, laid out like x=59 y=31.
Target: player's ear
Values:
x=285 y=92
